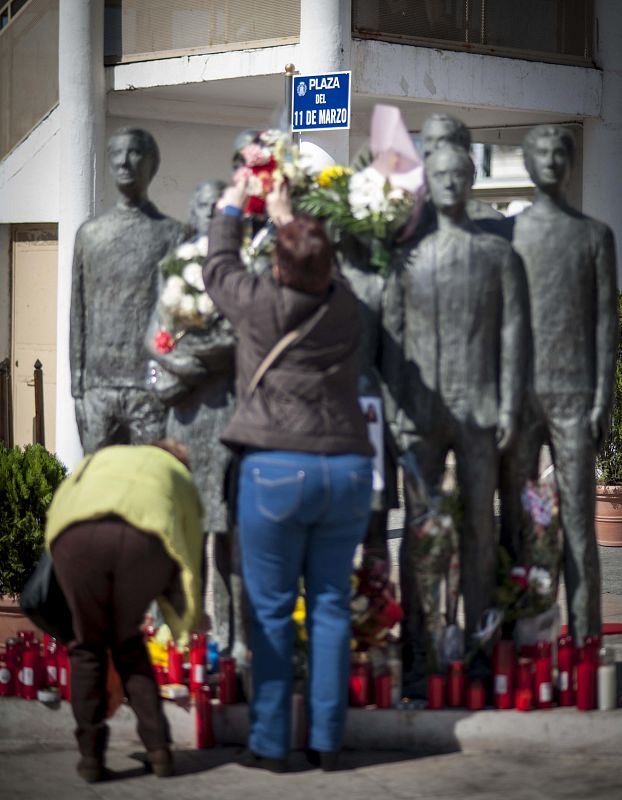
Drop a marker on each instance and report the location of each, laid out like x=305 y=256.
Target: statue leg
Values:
x=574 y=459
x=143 y=416
x=477 y=469
x=417 y=643
x=230 y=618
x=99 y=423
x=375 y=546
x=516 y=466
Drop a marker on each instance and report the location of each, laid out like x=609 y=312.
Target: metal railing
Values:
x=559 y=31
x=142 y=30
x=28 y=68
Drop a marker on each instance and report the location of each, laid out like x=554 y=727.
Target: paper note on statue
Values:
x=372 y=409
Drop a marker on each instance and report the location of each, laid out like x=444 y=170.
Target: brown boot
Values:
x=160 y=762
x=91 y=769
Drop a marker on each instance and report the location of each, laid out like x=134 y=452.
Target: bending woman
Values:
x=305 y=473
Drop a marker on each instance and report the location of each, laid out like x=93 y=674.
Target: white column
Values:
x=82 y=106
x=602 y=137
x=325 y=45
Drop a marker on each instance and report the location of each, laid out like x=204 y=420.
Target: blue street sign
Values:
x=321 y=102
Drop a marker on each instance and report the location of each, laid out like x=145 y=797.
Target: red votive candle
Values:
x=360 y=680
x=544 y=676
x=203 y=718
x=227 y=681
x=475 y=696
x=503 y=657
x=586 y=684
x=436 y=692
x=455 y=685
x=523 y=699
x=175 y=664
x=524 y=674
x=383 y=690
x=565 y=671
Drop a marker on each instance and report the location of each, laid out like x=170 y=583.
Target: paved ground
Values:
x=49 y=773
x=557 y=755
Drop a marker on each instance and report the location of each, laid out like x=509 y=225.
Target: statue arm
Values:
x=606 y=331
x=514 y=332
x=76 y=320
x=391 y=356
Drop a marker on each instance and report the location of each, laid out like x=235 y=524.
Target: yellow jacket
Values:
x=151 y=490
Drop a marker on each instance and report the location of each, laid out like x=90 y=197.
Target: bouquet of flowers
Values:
x=270 y=158
x=373 y=606
x=183 y=301
x=372 y=203
x=530 y=589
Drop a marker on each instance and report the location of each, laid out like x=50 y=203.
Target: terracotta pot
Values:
x=609 y=515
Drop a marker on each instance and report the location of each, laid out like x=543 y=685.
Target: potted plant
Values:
x=28 y=477
x=609 y=465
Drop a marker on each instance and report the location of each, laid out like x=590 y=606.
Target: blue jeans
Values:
x=300 y=514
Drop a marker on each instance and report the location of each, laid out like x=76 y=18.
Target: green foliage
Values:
x=28 y=479
x=609 y=460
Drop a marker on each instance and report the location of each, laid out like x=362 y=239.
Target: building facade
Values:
x=196 y=72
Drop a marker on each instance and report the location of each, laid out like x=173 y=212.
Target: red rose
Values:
x=163 y=342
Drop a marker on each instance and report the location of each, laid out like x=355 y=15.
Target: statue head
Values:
x=439 y=129
x=449 y=172
x=549 y=152
x=203 y=202
x=241 y=140
x=134 y=159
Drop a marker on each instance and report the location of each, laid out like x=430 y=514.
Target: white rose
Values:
x=193 y=275
x=186 y=251
x=205 y=304
x=540 y=580
x=172 y=293
x=201 y=246
x=188 y=306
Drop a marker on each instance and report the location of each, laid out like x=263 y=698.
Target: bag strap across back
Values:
x=283 y=344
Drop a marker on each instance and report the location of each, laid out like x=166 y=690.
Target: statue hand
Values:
x=506 y=431
x=598 y=425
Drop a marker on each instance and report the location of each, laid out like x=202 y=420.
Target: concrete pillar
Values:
x=82 y=107
x=602 y=137
x=325 y=45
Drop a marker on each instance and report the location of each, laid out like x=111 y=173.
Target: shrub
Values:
x=28 y=479
x=609 y=460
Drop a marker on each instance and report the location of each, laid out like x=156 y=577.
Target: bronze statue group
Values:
x=489 y=338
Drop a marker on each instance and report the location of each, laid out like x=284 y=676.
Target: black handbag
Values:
x=43 y=602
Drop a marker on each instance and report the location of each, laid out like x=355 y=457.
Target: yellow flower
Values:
x=328 y=175
x=299 y=612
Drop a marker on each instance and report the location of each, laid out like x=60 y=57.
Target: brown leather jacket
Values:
x=307 y=400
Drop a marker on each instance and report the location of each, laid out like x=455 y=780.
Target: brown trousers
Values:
x=110 y=572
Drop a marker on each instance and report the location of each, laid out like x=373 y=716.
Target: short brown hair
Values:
x=175 y=448
x=304 y=255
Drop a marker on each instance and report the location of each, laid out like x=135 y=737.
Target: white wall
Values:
x=190 y=153
x=29 y=176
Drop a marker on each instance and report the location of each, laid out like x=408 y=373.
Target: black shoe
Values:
x=254 y=761
x=91 y=769
x=326 y=761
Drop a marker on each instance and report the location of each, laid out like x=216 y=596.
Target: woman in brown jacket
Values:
x=305 y=473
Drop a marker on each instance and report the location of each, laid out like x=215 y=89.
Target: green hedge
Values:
x=28 y=479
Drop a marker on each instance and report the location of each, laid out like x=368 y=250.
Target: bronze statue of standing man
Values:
x=114 y=290
x=570 y=265
x=461 y=387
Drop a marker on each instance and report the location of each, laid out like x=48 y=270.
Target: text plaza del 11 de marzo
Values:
x=321 y=102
